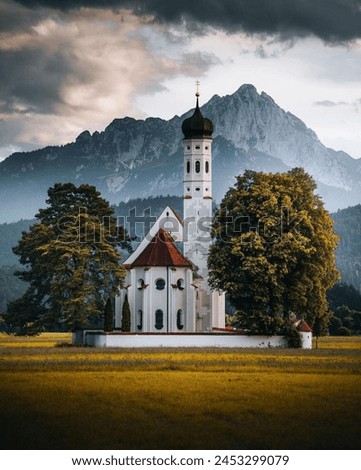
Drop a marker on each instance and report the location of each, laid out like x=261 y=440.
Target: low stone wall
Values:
x=183 y=340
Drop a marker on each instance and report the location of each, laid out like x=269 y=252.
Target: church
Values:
x=166 y=285
x=166 y=280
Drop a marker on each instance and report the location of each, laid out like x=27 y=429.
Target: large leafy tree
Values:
x=71 y=258
x=273 y=250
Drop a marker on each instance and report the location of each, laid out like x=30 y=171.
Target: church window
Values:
x=140 y=284
x=206 y=147
x=188 y=147
x=188 y=189
x=188 y=166
x=198 y=147
x=140 y=319
x=159 y=319
x=180 y=319
x=198 y=189
x=180 y=284
x=207 y=167
x=198 y=166
x=160 y=284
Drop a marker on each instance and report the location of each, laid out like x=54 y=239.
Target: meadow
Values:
x=55 y=396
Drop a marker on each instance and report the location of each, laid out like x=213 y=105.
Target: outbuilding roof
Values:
x=161 y=251
x=303 y=327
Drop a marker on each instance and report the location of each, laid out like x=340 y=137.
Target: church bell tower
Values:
x=197 y=209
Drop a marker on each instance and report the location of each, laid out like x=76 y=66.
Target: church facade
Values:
x=166 y=281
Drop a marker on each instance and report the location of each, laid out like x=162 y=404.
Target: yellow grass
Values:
x=83 y=398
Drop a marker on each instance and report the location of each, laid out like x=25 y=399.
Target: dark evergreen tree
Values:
x=344 y=294
x=348 y=253
x=334 y=325
x=108 y=316
x=71 y=260
x=126 y=315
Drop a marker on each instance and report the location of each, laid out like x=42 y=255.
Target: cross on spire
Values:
x=197 y=88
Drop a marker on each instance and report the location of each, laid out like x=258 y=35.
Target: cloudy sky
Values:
x=67 y=66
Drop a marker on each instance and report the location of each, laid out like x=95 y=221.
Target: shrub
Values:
x=343 y=331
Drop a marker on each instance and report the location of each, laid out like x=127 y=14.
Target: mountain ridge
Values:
x=139 y=158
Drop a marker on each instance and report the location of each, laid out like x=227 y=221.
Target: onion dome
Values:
x=197 y=127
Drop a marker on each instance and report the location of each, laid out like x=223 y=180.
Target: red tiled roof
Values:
x=302 y=326
x=161 y=251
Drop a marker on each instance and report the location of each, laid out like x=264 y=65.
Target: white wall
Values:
x=306 y=340
x=149 y=299
x=120 y=340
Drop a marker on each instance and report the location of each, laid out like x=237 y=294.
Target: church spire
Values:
x=197 y=93
x=197 y=127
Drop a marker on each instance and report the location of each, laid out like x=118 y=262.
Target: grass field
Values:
x=57 y=397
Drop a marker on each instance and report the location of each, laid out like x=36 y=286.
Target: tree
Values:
x=126 y=315
x=108 y=316
x=273 y=250
x=71 y=260
x=334 y=325
x=320 y=324
x=343 y=294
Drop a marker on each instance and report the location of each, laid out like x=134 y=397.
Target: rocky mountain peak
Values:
x=140 y=158
x=85 y=136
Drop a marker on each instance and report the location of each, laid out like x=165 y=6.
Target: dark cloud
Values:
x=331 y=20
x=15 y=17
x=31 y=81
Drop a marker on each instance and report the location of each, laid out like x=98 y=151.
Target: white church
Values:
x=171 y=303
x=167 y=287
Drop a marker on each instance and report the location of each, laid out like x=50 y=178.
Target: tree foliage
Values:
x=71 y=262
x=344 y=294
x=108 y=316
x=345 y=304
x=126 y=315
x=348 y=253
x=273 y=250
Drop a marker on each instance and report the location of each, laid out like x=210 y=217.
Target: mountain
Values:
x=141 y=158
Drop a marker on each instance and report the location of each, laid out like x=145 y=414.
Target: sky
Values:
x=69 y=66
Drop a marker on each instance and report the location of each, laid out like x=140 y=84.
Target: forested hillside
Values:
x=348 y=253
x=11 y=287
x=9 y=236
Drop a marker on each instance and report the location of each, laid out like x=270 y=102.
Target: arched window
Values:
x=160 y=284
x=198 y=166
x=207 y=166
x=180 y=284
x=180 y=319
x=159 y=319
x=188 y=166
x=140 y=284
x=140 y=319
